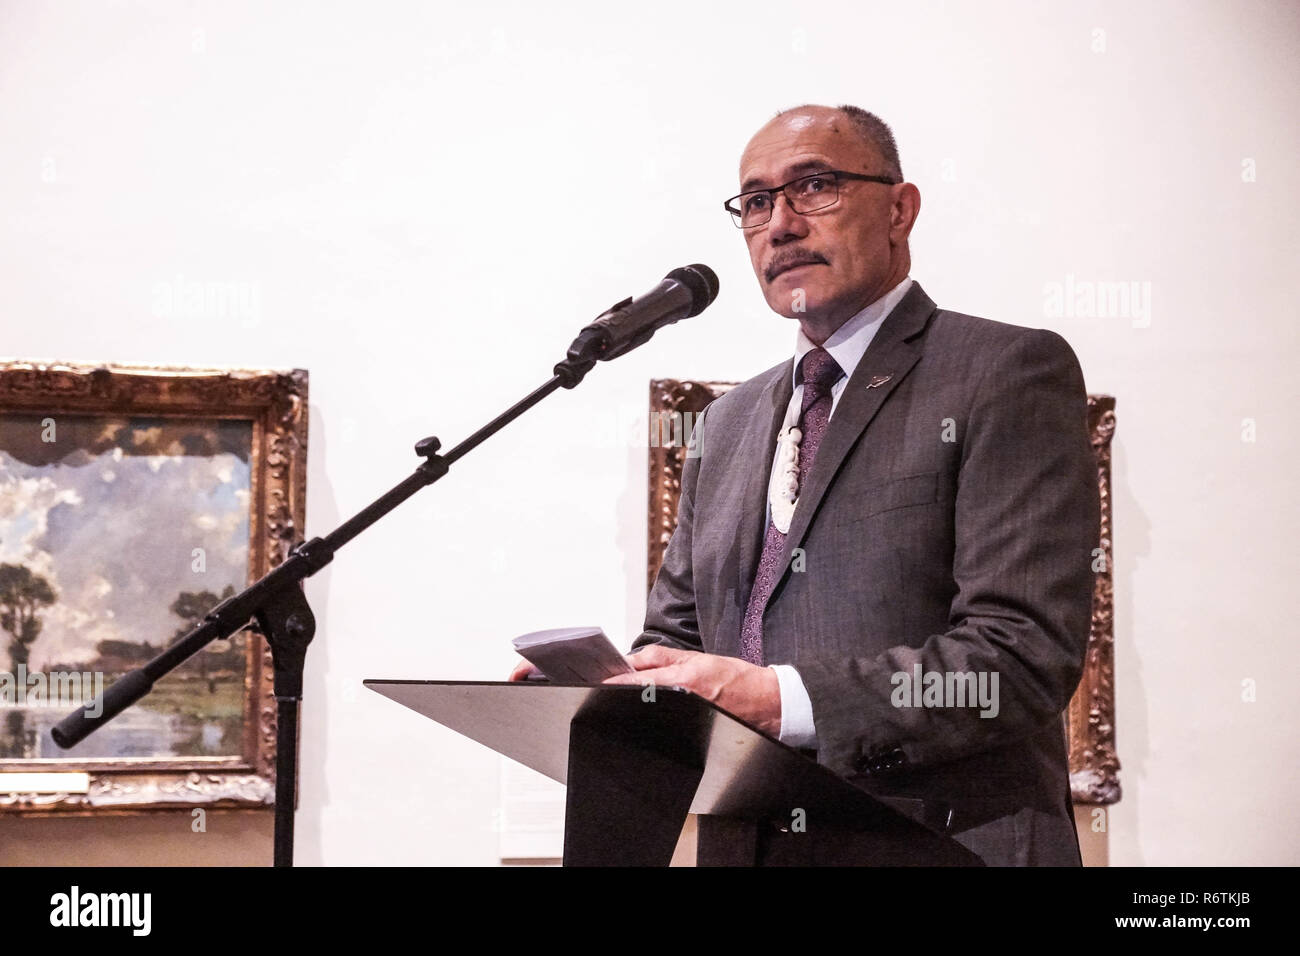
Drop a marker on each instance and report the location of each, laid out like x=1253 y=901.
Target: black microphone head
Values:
x=703 y=283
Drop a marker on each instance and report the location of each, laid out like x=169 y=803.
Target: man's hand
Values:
x=750 y=692
x=522 y=670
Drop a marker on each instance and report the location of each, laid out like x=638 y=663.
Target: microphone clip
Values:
x=590 y=347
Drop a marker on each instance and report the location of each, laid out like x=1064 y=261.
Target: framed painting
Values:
x=132 y=501
x=1089 y=720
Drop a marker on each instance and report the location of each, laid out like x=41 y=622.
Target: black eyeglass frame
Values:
x=737 y=214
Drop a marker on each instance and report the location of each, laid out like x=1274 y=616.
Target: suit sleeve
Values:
x=1026 y=523
x=671 y=616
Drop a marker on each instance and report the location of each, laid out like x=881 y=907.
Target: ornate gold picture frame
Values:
x=132 y=500
x=1090 y=719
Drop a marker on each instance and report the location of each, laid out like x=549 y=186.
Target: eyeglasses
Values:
x=805 y=194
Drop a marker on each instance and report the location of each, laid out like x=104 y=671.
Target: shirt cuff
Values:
x=797 y=728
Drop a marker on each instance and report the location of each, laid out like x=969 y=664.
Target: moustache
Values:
x=800 y=258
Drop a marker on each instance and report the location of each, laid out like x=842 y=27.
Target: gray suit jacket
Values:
x=948 y=524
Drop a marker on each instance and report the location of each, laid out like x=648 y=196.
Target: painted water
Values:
x=136 y=732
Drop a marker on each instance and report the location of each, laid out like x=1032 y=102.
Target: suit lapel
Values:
x=891 y=355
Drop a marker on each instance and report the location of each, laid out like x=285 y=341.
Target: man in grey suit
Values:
x=884 y=545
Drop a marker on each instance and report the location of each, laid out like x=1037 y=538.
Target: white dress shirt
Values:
x=846 y=345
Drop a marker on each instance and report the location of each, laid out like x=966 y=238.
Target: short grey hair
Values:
x=875 y=131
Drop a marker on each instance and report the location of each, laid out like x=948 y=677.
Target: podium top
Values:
x=746 y=773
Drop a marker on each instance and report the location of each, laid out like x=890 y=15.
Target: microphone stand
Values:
x=277 y=603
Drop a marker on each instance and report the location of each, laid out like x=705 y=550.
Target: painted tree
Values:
x=23 y=595
x=191 y=607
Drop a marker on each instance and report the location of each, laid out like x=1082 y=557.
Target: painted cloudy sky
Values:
x=110 y=513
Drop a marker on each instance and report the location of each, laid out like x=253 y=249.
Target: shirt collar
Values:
x=849 y=342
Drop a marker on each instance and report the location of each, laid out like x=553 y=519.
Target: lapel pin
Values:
x=878 y=380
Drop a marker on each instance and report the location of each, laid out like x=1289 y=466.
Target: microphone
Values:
x=683 y=293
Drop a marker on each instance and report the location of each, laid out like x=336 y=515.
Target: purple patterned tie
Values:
x=819 y=373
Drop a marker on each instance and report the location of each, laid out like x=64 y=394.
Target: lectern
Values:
x=636 y=760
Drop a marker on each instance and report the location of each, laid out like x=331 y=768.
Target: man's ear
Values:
x=903 y=213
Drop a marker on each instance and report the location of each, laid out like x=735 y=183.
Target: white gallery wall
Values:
x=421 y=204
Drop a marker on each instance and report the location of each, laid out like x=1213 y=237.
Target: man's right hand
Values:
x=522 y=671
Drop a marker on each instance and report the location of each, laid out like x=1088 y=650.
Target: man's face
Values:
x=830 y=263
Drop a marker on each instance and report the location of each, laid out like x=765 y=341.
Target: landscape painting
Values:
x=117 y=535
x=133 y=500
